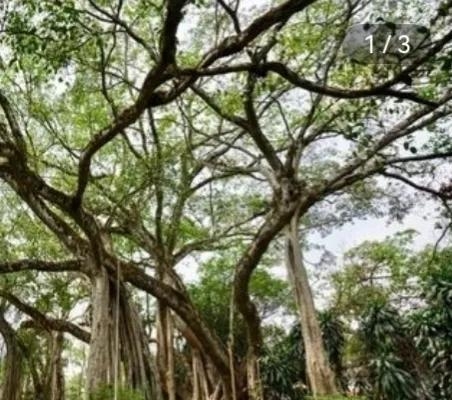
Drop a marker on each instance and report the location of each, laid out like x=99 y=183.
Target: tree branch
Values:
x=45 y=322
x=40 y=265
x=127 y=117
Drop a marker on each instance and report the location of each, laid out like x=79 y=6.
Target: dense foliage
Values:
x=170 y=171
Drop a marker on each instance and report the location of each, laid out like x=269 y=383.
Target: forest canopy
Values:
x=167 y=168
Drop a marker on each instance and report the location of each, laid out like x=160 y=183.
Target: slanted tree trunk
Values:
x=321 y=376
x=11 y=386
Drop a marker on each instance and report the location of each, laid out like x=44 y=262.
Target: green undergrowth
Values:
x=107 y=393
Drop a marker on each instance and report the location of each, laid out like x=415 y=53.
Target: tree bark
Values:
x=321 y=376
x=165 y=349
x=100 y=371
x=171 y=376
x=134 y=353
x=165 y=338
x=13 y=367
x=195 y=377
x=202 y=387
x=254 y=382
x=139 y=363
x=56 y=367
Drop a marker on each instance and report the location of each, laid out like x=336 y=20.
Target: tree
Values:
x=132 y=150
x=13 y=367
x=431 y=325
x=402 y=346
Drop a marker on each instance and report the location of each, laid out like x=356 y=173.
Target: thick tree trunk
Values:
x=202 y=387
x=195 y=377
x=100 y=369
x=139 y=365
x=12 y=374
x=171 y=375
x=166 y=350
x=254 y=382
x=321 y=377
x=165 y=339
x=134 y=354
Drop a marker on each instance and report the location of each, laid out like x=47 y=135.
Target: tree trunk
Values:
x=166 y=350
x=320 y=375
x=171 y=376
x=165 y=339
x=221 y=382
x=201 y=384
x=100 y=369
x=12 y=373
x=195 y=377
x=56 y=367
x=139 y=365
x=254 y=382
x=134 y=353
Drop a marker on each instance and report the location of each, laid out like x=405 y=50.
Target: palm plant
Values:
x=391 y=375
x=283 y=366
x=333 y=333
x=432 y=327
x=283 y=371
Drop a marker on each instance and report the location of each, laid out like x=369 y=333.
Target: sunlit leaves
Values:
x=45 y=31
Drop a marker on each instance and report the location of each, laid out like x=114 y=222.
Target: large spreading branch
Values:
x=40 y=265
x=419 y=119
x=150 y=97
x=33 y=190
x=153 y=80
x=294 y=199
x=382 y=89
x=414 y=185
x=17 y=135
x=290 y=196
x=45 y=322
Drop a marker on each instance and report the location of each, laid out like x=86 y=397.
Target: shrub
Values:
x=107 y=393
